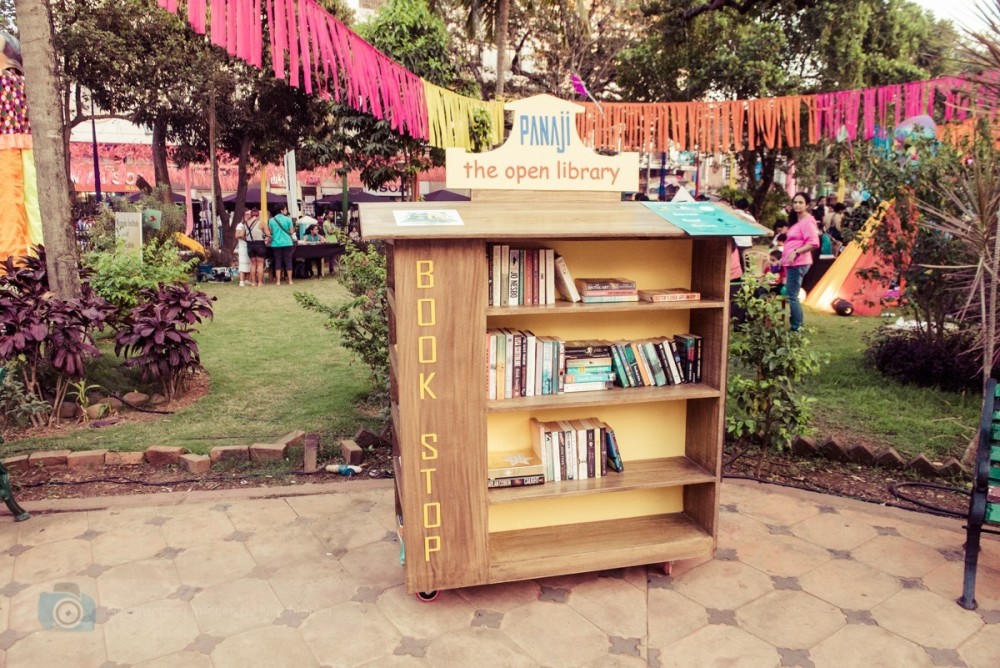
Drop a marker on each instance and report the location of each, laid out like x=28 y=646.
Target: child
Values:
x=774 y=272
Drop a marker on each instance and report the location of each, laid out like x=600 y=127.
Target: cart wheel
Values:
x=427 y=596
x=668 y=567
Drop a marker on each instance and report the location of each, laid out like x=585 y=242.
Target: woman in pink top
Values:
x=801 y=239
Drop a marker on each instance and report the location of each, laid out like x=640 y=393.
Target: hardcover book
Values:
x=564 y=280
x=669 y=295
x=515 y=481
x=612 y=299
x=583 y=284
x=510 y=464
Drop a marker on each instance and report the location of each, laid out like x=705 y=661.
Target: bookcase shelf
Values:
x=664 y=506
x=568 y=308
x=640 y=474
x=590 y=546
x=616 y=395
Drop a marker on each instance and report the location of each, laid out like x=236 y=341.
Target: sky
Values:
x=962 y=13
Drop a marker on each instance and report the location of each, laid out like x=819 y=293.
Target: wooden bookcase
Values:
x=663 y=507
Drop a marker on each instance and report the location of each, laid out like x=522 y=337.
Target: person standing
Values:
x=282 y=244
x=256 y=248
x=800 y=240
x=242 y=249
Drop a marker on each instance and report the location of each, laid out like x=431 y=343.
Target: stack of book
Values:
x=669 y=295
x=521 y=276
x=600 y=290
x=657 y=362
x=576 y=449
x=515 y=468
x=588 y=366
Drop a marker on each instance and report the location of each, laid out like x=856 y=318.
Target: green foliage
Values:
x=415 y=38
x=768 y=362
x=362 y=320
x=119 y=276
x=17 y=407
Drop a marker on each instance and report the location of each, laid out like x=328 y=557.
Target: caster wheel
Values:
x=427 y=596
x=668 y=567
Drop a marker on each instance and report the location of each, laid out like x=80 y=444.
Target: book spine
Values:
x=522 y=282
x=514 y=278
x=589 y=377
x=518 y=376
x=586 y=299
x=530 y=382
x=663 y=354
x=588 y=387
x=564 y=281
x=527 y=285
x=572 y=467
x=491 y=283
x=697 y=358
x=589 y=363
x=536 y=275
x=602 y=454
x=625 y=292
x=562 y=455
x=508 y=378
x=504 y=288
x=659 y=374
x=682 y=352
x=547 y=366
x=550 y=275
x=495 y=254
x=633 y=365
x=491 y=365
x=560 y=367
x=614 y=454
x=501 y=344
x=591 y=454
x=588 y=284
x=641 y=367
x=524 y=363
x=616 y=361
x=515 y=481
x=676 y=366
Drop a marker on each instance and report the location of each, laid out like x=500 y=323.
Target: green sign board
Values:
x=704 y=219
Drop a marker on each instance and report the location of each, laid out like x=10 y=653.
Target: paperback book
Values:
x=669 y=295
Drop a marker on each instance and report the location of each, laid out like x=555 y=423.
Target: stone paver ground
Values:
x=314 y=580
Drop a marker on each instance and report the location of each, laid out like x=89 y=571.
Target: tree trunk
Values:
x=160 y=172
x=42 y=88
x=503 y=18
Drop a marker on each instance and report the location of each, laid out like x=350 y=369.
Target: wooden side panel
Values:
x=507 y=197
x=440 y=302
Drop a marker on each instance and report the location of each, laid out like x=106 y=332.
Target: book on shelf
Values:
x=688 y=347
x=504 y=275
x=491 y=364
x=631 y=364
x=508 y=370
x=619 y=365
x=609 y=293
x=531 y=351
x=495 y=264
x=609 y=299
x=600 y=446
x=569 y=387
x=669 y=295
x=564 y=280
x=642 y=365
x=514 y=278
x=591 y=284
x=655 y=365
x=550 y=276
x=515 y=481
x=666 y=357
x=614 y=455
x=579 y=375
x=517 y=463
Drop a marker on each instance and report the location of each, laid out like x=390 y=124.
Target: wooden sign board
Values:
x=543 y=152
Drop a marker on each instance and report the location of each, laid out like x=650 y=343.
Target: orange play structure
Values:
x=841 y=280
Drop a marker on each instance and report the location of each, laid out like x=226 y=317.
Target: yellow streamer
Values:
x=449 y=118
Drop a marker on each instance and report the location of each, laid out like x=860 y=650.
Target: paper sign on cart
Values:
x=421 y=217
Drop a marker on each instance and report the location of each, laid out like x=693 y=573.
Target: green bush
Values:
x=768 y=362
x=17 y=407
x=119 y=275
x=946 y=362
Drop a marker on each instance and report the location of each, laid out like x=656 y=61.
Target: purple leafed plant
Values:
x=49 y=335
x=158 y=336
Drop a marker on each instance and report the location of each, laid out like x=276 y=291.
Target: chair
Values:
x=754 y=262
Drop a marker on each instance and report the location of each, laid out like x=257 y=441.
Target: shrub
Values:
x=17 y=407
x=361 y=321
x=768 y=362
x=50 y=336
x=911 y=357
x=157 y=336
x=119 y=275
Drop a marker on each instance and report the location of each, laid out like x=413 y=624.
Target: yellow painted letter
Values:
x=425 y=385
x=425 y=274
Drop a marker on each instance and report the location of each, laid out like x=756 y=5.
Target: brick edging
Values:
x=832 y=449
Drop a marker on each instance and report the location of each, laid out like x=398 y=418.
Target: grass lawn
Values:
x=858 y=404
x=274 y=369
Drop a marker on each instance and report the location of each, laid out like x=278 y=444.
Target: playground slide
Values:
x=189 y=243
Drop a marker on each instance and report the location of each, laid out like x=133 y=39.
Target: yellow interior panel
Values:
x=591 y=508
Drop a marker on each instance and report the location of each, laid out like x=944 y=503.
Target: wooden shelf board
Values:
x=585 y=547
x=640 y=474
x=566 y=308
x=616 y=395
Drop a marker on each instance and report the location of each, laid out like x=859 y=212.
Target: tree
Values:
x=743 y=50
x=42 y=86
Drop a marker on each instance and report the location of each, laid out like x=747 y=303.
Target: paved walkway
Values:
x=220 y=579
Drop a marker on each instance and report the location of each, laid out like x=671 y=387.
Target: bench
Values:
x=984 y=504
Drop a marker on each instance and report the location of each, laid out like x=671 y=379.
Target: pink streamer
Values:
x=231 y=26
x=257 y=52
x=304 y=43
x=869 y=111
x=276 y=20
x=188 y=203
x=219 y=22
x=293 y=49
x=196 y=15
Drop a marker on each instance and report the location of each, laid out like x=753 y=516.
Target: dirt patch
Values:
x=199 y=384
x=866 y=483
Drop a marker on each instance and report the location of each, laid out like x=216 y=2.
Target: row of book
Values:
x=560 y=450
x=521 y=364
x=538 y=276
x=522 y=276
